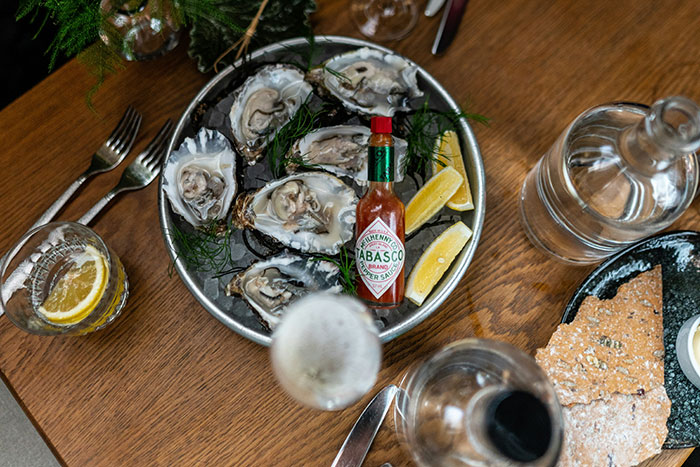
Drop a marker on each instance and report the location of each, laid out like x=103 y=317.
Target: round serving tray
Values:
x=232 y=311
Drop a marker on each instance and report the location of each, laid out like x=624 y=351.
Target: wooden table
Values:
x=167 y=384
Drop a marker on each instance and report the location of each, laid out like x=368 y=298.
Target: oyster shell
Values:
x=269 y=286
x=342 y=150
x=369 y=81
x=310 y=212
x=263 y=104
x=199 y=179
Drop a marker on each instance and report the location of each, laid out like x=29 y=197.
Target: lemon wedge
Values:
x=435 y=260
x=432 y=197
x=449 y=153
x=77 y=293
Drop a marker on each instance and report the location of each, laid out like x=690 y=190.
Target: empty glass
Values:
x=479 y=402
x=618 y=173
x=384 y=20
x=326 y=351
x=35 y=266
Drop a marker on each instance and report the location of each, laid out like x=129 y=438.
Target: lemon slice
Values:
x=77 y=293
x=432 y=197
x=450 y=154
x=434 y=261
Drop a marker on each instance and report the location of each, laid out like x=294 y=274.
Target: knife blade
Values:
x=353 y=451
x=447 y=31
x=433 y=7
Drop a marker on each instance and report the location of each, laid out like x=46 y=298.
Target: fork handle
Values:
x=93 y=211
x=51 y=212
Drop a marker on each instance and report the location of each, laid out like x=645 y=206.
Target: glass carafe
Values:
x=620 y=172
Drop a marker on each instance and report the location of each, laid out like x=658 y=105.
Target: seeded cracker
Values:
x=622 y=431
x=612 y=346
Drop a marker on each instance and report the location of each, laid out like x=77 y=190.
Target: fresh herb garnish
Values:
x=341 y=76
x=303 y=122
x=424 y=127
x=346 y=263
x=207 y=249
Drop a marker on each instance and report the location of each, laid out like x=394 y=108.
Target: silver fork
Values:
x=142 y=171
x=107 y=157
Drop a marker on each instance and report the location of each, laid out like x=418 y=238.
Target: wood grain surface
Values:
x=167 y=384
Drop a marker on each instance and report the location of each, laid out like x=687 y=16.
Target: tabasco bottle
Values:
x=379 y=228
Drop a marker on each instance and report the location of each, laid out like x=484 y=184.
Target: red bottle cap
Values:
x=381 y=125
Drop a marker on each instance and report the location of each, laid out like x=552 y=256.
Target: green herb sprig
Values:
x=303 y=122
x=205 y=250
x=346 y=263
x=424 y=127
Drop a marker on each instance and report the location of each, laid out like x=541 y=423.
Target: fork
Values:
x=142 y=171
x=107 y=157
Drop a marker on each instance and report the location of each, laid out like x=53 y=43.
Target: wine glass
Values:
x=326 y=351
x=479 y=402
x=384 y=20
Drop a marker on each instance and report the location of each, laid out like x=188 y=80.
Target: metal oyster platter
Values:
x=210 y=109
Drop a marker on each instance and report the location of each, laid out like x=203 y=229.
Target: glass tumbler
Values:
x=141 y=29
x=326 y=351
x=479 y=402
x=33 y=269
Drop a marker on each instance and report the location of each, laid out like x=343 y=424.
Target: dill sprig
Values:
x=346 y=263
x=424 y=127
x=207 y=249
x=341 y=76
x=303 y=122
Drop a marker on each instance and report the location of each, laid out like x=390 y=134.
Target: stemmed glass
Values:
x=326 y=351
x=384 y=20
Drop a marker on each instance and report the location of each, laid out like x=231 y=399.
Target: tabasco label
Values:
x=379 y=255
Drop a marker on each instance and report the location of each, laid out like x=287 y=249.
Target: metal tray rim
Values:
x=435 y=299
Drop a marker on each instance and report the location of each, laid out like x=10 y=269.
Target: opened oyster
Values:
x=310 y=212
x=199 y=177
x=269 y=286
x=342 y=150
x=263 y=104
x=369 y=81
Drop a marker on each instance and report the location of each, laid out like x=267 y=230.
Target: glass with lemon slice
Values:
x=61 y=278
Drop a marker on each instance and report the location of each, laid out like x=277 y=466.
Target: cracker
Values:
x=612 y=346
x=621 y=431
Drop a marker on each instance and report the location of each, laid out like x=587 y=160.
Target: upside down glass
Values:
x=479 y=402
x=620 y=172
x=384 y=20
x=36 y=265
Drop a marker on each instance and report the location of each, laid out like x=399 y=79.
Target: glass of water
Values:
x=479 y=402
x=326 y=351
x=61 y=278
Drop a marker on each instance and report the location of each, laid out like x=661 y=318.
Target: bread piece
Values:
x=612 y=346
x=621 y=431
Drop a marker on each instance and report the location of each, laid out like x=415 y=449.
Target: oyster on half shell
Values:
x=369 y=81
x=310 y=212
x=263 y=104
x=269 y=286
x=343 y=151
x=199 y=177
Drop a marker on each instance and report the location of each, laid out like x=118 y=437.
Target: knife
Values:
x=356 y=445
x=451 y=18
x=433 y=7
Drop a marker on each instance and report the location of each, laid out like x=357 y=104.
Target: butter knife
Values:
x=433 y=7
x=447 y=31
x=353 y=451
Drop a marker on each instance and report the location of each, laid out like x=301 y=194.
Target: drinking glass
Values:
x=479 y=402
x=34 y=266
x=326 y=351
x=141 y=29
x=384 y=20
